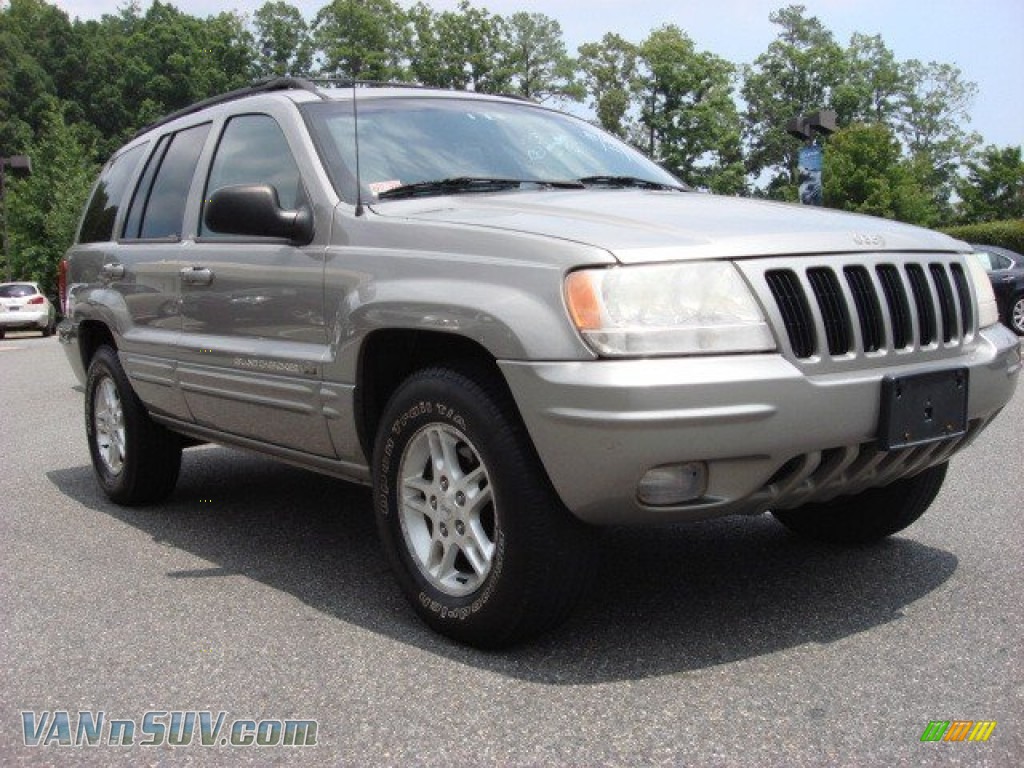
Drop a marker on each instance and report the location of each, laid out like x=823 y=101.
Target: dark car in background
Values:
x=1006 y=271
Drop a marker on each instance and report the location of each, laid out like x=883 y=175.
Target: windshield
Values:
x=404 y=141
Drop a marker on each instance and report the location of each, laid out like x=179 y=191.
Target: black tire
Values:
x=867 y=516
x=50 y=328
x=3 y=333
x=532 y=558
x=1016 y=315
x=136 y=460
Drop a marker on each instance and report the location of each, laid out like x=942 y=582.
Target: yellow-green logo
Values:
x=958 y=730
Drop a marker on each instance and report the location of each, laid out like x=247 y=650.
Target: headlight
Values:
x=988 y=310
x=671 y=309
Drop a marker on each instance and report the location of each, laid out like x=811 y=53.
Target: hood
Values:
x=644 y=226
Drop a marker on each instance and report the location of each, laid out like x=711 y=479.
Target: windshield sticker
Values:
x=377 y=187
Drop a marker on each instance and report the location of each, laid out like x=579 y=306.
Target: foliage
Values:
x=364 y=39
x=608 y=71
x=864 y=172
x=994 y=186
x=688 y=113
x=283 y=44
x=796 y=75
x=536 y=59
x=78 y=89
x=1007 y=234
x=44 y=207
x=458 y=49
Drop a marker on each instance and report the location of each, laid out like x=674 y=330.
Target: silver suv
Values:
x=517 y=329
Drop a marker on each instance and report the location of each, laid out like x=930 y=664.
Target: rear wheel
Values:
x=479 y=541
x=867 y=516
x=136 y=460
x=1017 y=315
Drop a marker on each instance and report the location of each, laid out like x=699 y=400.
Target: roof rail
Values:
x=263 y=85
x=330 y=82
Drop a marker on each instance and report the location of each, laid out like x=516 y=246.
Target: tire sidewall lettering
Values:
x=395 y=439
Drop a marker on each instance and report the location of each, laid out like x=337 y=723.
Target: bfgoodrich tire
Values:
x=480 y=543
x=136 y=461
x=867 y=516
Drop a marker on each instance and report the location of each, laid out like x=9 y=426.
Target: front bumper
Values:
x=771 y=436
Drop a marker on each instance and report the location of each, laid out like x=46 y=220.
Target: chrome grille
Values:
x=841 y=311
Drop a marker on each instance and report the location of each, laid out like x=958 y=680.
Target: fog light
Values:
x=673 y=484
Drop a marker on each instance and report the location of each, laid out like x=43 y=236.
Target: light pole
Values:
x=20 y=165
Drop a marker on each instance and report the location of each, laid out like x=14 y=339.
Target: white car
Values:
x=23 y=307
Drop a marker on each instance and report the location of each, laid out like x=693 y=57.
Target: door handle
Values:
x=112 y=271
x=196 y=276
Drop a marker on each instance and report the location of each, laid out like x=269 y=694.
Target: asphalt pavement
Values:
x=258 y=594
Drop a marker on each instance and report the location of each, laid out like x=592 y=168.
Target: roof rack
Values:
x=264 y=85
x=330 y=82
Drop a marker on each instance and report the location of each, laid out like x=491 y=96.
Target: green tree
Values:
x=364 y=39
x=283 y=45
x=37 y=56
x=796 y=75
x=864 y=171
x=44 y=208
x=536 y=59
x=934 y=107
x=608 y=70
x=458 y=49
x=993 y=189
x=872 y=86
x=688 y=113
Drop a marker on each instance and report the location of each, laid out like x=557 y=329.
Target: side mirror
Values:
x=254 y=209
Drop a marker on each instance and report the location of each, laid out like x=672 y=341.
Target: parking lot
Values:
x=259 y=591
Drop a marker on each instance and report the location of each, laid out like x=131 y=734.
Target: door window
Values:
x=253 y=150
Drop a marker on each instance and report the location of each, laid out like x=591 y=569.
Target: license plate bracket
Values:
x=923 y=408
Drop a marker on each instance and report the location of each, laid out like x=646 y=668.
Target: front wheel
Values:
x=136 y=460
x=867 y=516
x=479 y=541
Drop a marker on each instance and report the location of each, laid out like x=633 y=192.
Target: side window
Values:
x=98 y=221
x=158 y=205
x=133 y=221
x=253 y=150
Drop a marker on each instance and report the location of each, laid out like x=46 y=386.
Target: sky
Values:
x=984 y=38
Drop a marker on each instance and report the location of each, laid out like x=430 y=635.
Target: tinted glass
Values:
x=253 y=150
x=409 y=140
x=16 y=291
x=165 y=207
x=133 y=221
x=98 y=222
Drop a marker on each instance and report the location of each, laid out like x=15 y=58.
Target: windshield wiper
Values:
x=628 y=181
x=462 y=184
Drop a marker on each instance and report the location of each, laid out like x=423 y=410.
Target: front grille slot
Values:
x=923 y=302
x=872 y=330
x=963 y=292
x=899 y=306
x=833 y=309
x=837 y=311
x=796 y=314
x=946 y=305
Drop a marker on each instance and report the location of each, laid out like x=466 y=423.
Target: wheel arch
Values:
x=389 y=356
x=93 y=334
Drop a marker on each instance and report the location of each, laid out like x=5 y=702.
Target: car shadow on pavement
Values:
x=665 y=600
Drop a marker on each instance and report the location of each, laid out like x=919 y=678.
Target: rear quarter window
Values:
x=98 y=220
